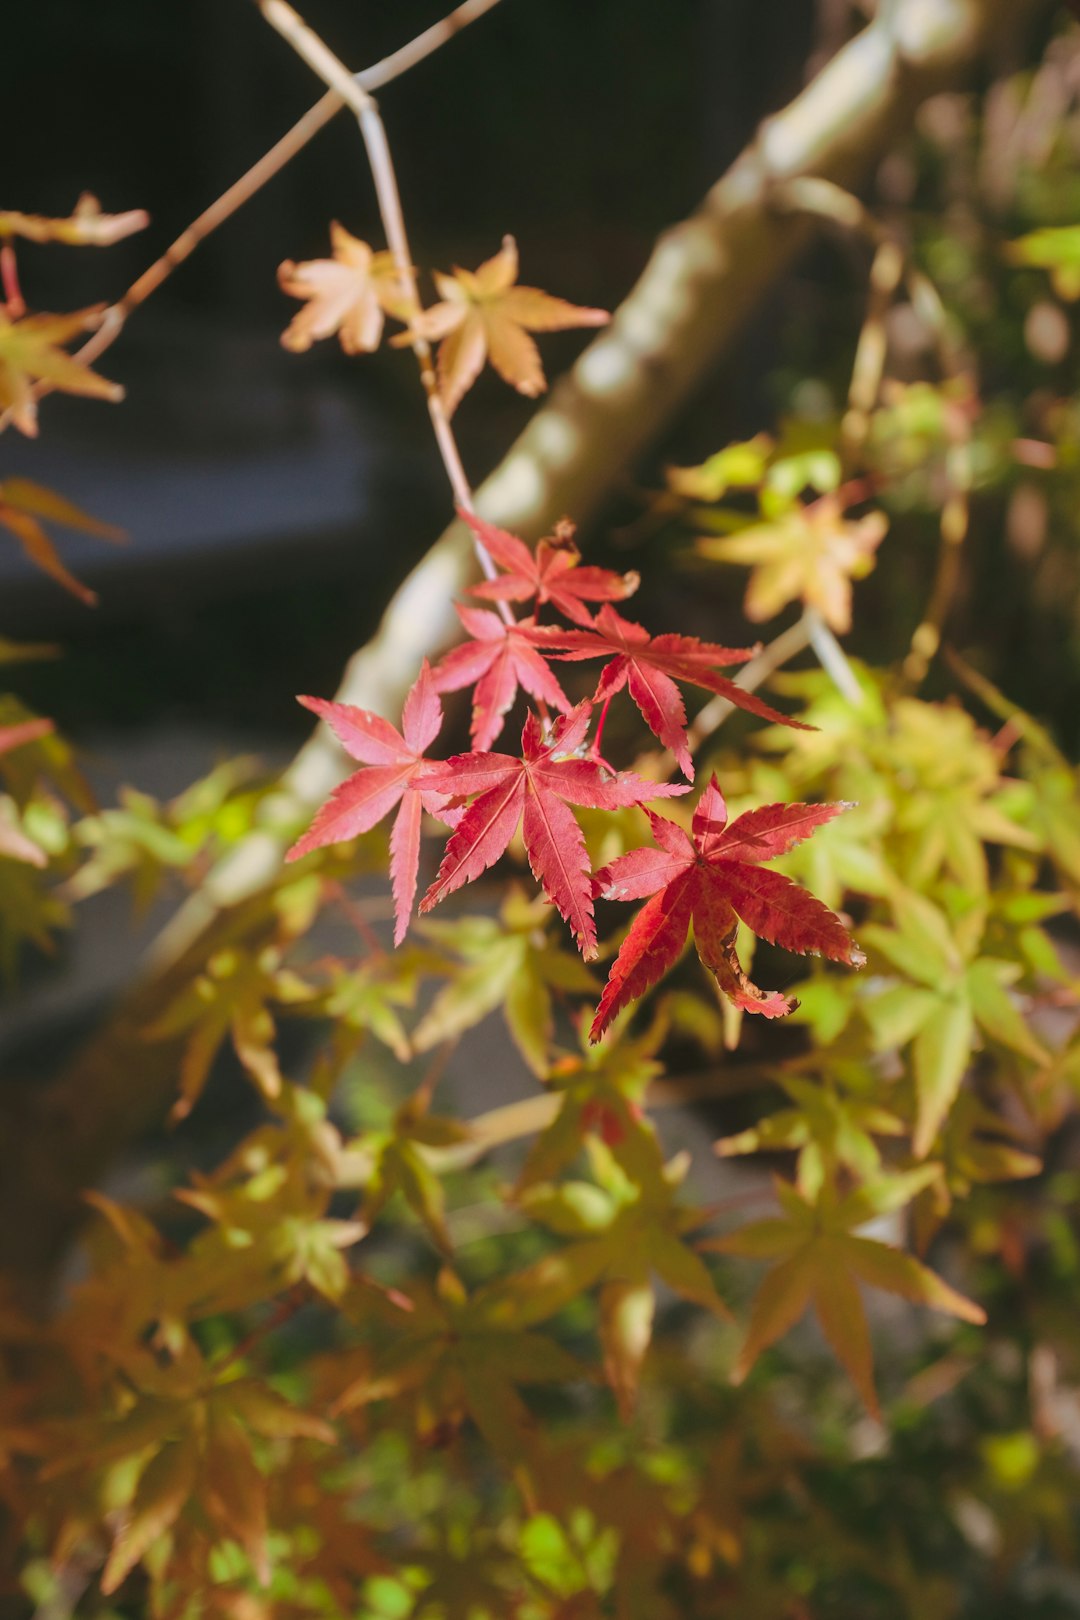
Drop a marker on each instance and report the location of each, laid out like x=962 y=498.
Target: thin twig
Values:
x=787 y=645
x=892 y=265
x=286 y=1308
x=956 y=511
x=832 y=657
x=868 y=367
x=310 y=48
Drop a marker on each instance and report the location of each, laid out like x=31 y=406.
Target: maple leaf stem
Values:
x=285 y=1309
x=831 y=656
x=787 y=645
x=355 y=915
x=955 y=516
x=600 y=727
x=425 y=1091
x=9 y=283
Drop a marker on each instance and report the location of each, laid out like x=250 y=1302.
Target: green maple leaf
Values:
x=601 y=1090
x=508 y=962
x=1055 y=248
x=819 y=1259
x=394 y=1161
x=947 y=793
x=809 y=553
x=736 y=466
x=978 y=1147
x=364 y=1000
x=827 y=1126
x=231 y=1000
x=950 y=995
x=459 y=1355
x=627 y=1231
x=143 y=840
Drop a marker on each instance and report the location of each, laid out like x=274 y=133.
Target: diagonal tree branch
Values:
x=704 y=278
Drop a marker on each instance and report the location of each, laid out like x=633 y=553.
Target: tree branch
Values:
x=692 y=300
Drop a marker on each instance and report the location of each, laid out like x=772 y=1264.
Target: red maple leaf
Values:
x=650 y=665
x=536 y=790
x=395 y=772
x=551 y=574
x=500 y=658
x=712 y=880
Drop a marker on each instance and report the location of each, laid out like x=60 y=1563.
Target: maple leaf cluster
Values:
x=709 y=880
x=482 y=315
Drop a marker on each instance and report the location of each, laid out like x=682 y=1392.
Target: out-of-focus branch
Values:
x=692 y=300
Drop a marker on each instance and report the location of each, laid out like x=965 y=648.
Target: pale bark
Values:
x=693 y=298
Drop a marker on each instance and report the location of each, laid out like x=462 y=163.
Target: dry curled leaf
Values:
x=349 y=294
x=87 y=226
x=484 y=315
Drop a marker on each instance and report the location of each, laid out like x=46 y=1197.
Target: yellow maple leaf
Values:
x=349 y=294
x=485 y=315
x=812 y=553
x=31 y=352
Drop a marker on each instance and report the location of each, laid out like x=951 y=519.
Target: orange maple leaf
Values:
x=349 y=294
x=23 y=504
x=31 y=352
x=484 y=315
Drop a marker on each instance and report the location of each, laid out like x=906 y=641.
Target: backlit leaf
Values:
x=485 y=315
x=535 y=791
x=711 y=881
x=349 y=294
x=649 y=666
x=31 y=351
